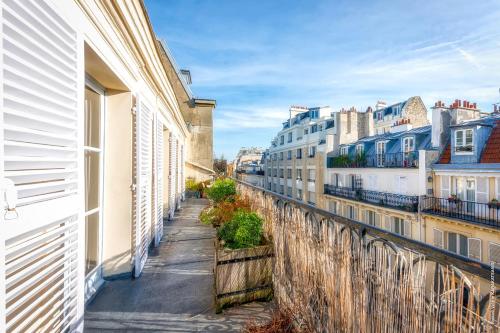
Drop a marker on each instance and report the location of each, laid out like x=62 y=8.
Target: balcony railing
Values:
x=389 y=160
x=407 y=203
x=482 y=213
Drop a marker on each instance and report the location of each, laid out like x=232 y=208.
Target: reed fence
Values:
x=345 y=276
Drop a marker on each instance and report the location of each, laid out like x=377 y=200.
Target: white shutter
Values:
x=445 y=186
x=474 y=248
x=173 y=174
x=377 y=220
x=41 y=79
x=144 y=192
x=438 y=238
x=494 y=255
x=407 y=228
x=159 y=181
x=481 y=189
x=388 y=223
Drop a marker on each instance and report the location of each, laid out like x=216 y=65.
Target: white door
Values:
x=41 y=86
x=93 y=143
x=143 y=171
x=381 y=154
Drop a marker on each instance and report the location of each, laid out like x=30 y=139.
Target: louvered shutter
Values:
x=159 y=181
x=474 y=247
x=482 y=196
x=407 y=228
x=378 y=223
x=173 y=172
x=144 y=192
x=445 y=187
x=494 y=254
x=438 y=238
x=41 y=123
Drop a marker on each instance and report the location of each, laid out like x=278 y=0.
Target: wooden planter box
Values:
x=242 y=275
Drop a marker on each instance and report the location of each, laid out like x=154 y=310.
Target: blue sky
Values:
x=256 y=58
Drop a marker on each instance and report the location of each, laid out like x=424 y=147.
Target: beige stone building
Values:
x=410 y=112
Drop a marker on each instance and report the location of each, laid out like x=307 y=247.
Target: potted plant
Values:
x=494 y=204
x=454 y=199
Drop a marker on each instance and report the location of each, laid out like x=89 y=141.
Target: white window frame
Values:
x=360 y=148
x=344 y=150
x=457 y=243
x=94 y=278
x=381 y=155
x=463 y=134
x=405 y=146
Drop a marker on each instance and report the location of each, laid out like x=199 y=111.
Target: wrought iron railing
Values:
x=389 y=160
x=399 y=201
x=482 y=213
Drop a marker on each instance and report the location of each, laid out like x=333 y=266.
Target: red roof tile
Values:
x=445 y=155
x=491 y=153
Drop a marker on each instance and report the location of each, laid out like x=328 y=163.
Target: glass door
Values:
x=380 y=154
x=93 y=114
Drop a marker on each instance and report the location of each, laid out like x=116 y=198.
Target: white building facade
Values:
x=92 y=155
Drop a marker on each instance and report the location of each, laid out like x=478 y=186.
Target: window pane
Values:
x=92 y=118
x=91 y=242
x=459 y=140
x=463 y=245
x=91 y=180
x=468 y=137
x=452 y=242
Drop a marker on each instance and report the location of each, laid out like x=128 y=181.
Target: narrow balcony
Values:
x=407 y=203
x=389 y=160
x=470 y=211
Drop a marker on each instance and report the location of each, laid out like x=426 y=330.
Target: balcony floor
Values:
x=175 y=292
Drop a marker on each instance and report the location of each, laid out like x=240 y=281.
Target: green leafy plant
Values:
x=244 y=230
x=222 y=189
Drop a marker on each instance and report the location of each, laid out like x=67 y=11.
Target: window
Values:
x=408 y=144
x=464 y=141
x=299 y=154
x=299 y=174
x=289 y=173
x=93 y=158
x=281 y=156
x=290 y=136
x=281 y=173
x=457 y=243
x=312 y=197
x=370 y=217
x=282 y=140
x=312 y=151
x=344 y=151
x=329 y=124
x=311 y=175
x=380 y=116
x=381 y=148
x=494 y=254
x=360 y=149
x=350 y=212
x=320 y=128
x=289 y=155
x=314 y=128
x=299 y=194
x=306 y=131
x=282 y=189
x=289 y=191
x=401 y=227
x=332 y=206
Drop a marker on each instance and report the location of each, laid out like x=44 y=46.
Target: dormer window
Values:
x=380 y=116
x=343 y=151
x=290 y=137
x=282 y=140
x=408 y=144
x=463 y=140
x=306 y=131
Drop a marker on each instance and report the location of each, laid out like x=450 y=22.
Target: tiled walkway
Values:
x=175 y=290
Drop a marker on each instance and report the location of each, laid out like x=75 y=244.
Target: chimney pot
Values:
x=474 y=106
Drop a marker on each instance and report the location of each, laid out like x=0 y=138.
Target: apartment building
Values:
x=249 y=165
x=295 y=162
x=461 y=212
x=411 y=111
x=94 y=146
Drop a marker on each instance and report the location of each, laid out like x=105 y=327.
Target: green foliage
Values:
x=208 y=215
x=244 y=230
x=191 y=184
x=222 y=189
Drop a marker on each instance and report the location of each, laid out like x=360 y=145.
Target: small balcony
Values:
x=407 y=203
x=389 y=160
x=470 y=211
